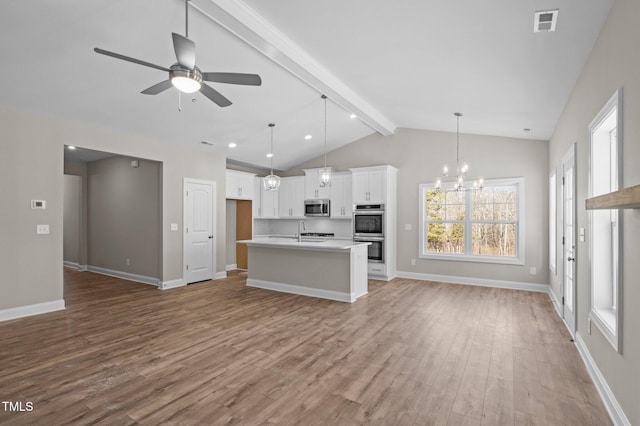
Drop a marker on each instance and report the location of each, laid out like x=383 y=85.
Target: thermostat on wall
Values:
x=38 y=204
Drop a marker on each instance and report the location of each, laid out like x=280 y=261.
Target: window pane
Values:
x=505 y=212
x=482 y=211
x=455 y=212
x=497 y=239
x=445 y=237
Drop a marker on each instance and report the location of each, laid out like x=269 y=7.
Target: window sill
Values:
x=605 y=320
x=477 y=259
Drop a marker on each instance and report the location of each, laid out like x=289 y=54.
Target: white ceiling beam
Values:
x=249 y=26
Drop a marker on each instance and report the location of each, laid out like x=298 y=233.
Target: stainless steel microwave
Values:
x=318 y=207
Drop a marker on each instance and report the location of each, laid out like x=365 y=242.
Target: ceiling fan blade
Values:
x=157 y=88
x=185 y=51
x=214 y=95
x=129 y=59
x=233 y=78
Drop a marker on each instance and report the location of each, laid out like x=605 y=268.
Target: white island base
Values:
x=335 y=270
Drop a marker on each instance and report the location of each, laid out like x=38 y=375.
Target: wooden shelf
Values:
x=627 y=198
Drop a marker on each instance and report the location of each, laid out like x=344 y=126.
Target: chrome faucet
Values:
x=304 y=227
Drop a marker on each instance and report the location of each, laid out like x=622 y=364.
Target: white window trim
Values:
x=553 y=222
x=518 y=259
x=609 y=321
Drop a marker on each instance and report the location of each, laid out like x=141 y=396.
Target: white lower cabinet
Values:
x=377 y=269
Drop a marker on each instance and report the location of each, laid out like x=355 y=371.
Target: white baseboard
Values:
x=303 y=291
x=483 y=282
x=166 y=285
x=69 y=264
x=28 y=310
x=220 y=275
x=608 y=398
x=124 y=275
x=231 y=267
x=75 y=265
x=555 y=301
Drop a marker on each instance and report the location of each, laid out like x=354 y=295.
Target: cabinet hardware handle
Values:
x=571 y=259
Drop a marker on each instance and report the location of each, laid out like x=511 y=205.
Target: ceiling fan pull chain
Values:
x=179 y=101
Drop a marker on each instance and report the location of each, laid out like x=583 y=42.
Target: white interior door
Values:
x=199 y=230
x=569 y=239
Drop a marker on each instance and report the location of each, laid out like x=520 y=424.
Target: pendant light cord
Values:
x=272 y=125
x=325 y=131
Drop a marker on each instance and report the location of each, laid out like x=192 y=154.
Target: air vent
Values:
x=545 y=21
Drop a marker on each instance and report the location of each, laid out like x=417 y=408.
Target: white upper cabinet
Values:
x=239 y=185
x=257 y=197
x=312 y=188
x=291 y=197
x=341 y=196
x=369 y=185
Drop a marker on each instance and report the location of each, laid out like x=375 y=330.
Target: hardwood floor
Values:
x=408 y=353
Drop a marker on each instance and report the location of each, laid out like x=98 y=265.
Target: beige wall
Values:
x=124 y=215
x=31 y=155
x=419 y=155
x=614 y=63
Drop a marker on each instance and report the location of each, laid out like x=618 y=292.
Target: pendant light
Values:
x=324 y=174
x=461 y=169
x=271 y=182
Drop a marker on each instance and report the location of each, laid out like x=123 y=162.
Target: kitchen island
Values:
x=329 y=269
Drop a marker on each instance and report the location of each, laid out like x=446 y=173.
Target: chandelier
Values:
x=271 y=182
x=449 y=182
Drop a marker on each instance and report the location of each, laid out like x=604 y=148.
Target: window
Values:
x=604 y=245
x=481 y=226
x=553 y=232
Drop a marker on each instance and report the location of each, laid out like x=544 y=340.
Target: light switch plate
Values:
x=38 y=204
x=42 y=229
x=174 y=226
x=407 y=227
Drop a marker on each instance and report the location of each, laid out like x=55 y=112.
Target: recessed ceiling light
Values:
x=307 y=137
x=352 y=116
x=207 y=143
x=71 y=147
x=232 y=145
x=269 y=155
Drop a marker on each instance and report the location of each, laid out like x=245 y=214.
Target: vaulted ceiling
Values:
x=405 y=63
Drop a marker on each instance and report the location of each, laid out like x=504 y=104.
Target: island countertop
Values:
x=293 y=243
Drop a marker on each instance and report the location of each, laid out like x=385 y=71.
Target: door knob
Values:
x=210 y=237
x=571 y=259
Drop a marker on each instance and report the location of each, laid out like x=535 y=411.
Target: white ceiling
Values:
x=406 y=63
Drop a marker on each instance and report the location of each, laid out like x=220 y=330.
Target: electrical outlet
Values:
x=127 y=261
x=413 y=262
x=533 y=270
x=42 y=229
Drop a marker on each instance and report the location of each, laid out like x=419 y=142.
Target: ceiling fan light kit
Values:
x=186 y=81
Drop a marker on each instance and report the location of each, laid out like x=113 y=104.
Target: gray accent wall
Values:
x=419 y=155
x=614 y=63
x=31 y=167
x=124 y=215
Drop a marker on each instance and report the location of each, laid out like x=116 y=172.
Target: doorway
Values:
x=569 y=239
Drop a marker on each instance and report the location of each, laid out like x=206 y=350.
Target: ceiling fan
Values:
x=184 y=75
